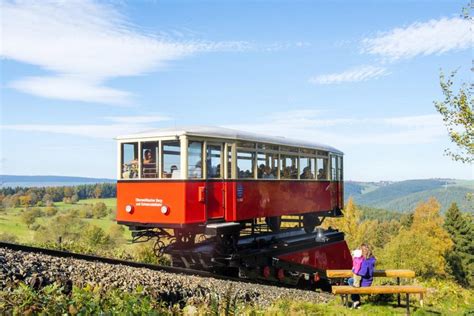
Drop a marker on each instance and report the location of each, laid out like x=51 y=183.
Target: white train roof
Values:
x=227 y=133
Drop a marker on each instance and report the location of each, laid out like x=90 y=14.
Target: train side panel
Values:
x=274 y=198
x=147 y=198
x=196 y=202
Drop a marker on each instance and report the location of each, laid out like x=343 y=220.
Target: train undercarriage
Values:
x=288 y=251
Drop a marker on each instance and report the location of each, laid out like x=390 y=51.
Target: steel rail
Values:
x=113 y=261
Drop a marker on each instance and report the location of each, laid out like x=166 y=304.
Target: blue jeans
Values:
x=354 y=297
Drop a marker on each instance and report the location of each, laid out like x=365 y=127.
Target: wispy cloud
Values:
x=84 y=44
x=357 y=74
x=344 y=131
x=421 y=38
x=85 y=130
x=140 y=119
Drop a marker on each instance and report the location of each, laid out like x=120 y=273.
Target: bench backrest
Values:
x=391 y=273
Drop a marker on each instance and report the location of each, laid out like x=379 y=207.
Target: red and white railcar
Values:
x=218 y=181
x=244 y=176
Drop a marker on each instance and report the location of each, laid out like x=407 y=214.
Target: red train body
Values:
x=194 y=202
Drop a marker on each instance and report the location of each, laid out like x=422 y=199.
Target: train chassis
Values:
x=249 y=249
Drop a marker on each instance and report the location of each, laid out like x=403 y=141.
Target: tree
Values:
x=456 y=110
x=461 y=258
x=423 y=245
x=356 y=231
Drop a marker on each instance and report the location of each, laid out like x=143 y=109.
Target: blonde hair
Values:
x=366 y=251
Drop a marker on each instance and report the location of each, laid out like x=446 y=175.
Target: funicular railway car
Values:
x=227 y=200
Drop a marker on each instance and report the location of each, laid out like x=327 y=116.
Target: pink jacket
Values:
x=356 y=264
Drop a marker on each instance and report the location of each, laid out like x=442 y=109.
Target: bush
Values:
x=30 y=215
x=99 y=210
x=50 y=211
x=51 y=300
x=85 y=213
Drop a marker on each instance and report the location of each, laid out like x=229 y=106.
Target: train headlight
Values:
x=165 y=210
x=129 y=208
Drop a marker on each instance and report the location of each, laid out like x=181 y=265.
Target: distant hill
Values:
x=403 y=196
x=35 y=181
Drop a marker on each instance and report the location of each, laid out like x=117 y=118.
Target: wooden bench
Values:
x=345 y=290
x=385 y=289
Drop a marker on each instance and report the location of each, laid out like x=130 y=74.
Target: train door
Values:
x=334 y=183
x=215 y=186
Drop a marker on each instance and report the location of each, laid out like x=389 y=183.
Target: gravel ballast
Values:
x=39 y=270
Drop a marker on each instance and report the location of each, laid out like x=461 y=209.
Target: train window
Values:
x=267 y=166
x=333 y=168
x=288 y=167
x=213 y=158
x=149 y=160
x=130 y=161
x=307 y=168
x=322 y=166
x=171 y=159
x=245 y=164
x=194 y=160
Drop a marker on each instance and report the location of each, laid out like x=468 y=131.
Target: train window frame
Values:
x=179 y=176
x=202 y=142
x=156 y=154
x=253 y=161
x=288 y=156
x=221 y=159
x=136 y=169
x=313 y=167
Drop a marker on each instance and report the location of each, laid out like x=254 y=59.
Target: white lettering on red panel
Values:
x=148 y=202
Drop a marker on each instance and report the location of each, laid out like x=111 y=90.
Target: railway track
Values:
x=128 y=263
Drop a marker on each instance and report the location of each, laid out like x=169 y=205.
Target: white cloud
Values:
x=71 y=88
x=340 y=132
x=432 y=37
x=85 y=130
x=84 y=44
x=357 y=74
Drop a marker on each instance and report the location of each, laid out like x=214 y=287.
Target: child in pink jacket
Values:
x=357 y=260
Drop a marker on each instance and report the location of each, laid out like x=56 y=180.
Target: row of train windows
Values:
x=249 y=164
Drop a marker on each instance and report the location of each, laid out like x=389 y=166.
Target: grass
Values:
x=11 y=222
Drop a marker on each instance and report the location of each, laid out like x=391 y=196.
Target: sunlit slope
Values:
x=404 y=195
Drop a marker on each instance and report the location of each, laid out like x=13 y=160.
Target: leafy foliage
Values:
x=461 y=258
x=456 y=110
x=422 y=246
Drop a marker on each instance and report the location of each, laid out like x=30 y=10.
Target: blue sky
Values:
x=358 y=76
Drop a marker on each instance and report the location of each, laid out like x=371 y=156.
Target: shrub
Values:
x=50 y=211
x=29 y=216
x=99 y=210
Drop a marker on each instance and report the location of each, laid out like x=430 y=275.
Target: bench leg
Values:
x=421 y=299
x=344 y=300
x=398 y=295
x=408 y=304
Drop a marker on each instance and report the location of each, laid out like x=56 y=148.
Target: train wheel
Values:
x=158 y=248
x=274 y=223
x=310 y=221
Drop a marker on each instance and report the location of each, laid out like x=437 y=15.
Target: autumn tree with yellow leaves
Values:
x=423 y=245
